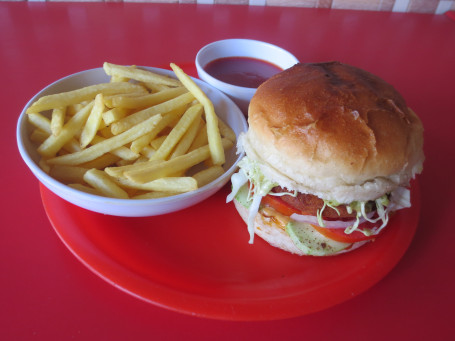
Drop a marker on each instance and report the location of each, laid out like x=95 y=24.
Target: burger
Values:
x=329 y=155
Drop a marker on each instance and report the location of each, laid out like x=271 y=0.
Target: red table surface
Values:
x=47 y=294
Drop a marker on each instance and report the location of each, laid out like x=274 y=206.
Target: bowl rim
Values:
x=21 y=135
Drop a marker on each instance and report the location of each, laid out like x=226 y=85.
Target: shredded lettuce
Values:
x=327 y=203
x=399 y=198
x=260 y=186
x=237 y=180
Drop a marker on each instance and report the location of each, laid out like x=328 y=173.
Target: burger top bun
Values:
x=335 y=131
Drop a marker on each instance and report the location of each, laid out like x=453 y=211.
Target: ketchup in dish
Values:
x=242 y=71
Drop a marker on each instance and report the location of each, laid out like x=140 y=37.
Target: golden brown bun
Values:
x=334 y=130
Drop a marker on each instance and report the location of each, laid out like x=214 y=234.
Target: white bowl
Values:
x=240 y=48
x=225 y=109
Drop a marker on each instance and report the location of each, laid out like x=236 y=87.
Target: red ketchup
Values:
x=241 y=71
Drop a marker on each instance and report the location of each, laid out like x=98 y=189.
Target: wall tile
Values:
x=232 y=2
x=423 y=6
x=418 y=6
x=386 y=5
x=325 y=3
x=371 y=5
x=293 y=3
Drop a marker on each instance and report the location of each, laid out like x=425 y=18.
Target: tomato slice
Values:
x=336 y=234
x=279 y=205
x=339 y=235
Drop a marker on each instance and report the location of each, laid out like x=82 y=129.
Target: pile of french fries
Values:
x=142 y=135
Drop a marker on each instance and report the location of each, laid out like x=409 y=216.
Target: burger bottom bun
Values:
x=276 y=236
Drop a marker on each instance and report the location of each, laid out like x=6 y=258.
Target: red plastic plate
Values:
x=198 y=261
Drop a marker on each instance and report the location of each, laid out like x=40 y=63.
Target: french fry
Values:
x=120 y=170
x=101 y=162
x=57 y=120
x=138 y=74
x=68 y=174
x=213 y=133
x=165 y=168
x=120 y=162
x=121 y=152
x=108 y=100
x=172 y=124
x=85 y=188
x=93 y=121
x=41 y=122
x=122 y=140
x=206 y=176
x=43 y=131
x=192 y=114
x=146 y=100
x=226 y=131
x=159 y=109
x=102 y=182
x=168 y=184
x=113 y=115
x=87 y=93
x=139 y=160
x=53 y=143
x=72 y=109
x=148 y=152
x=107 y=145
x=201 y=138
x=187 y=139
x=142 y=142
x=105 y=132
x=157 y=142
x=38 y=136
x=155 y=87
x=116 y=78
x=44 y=165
